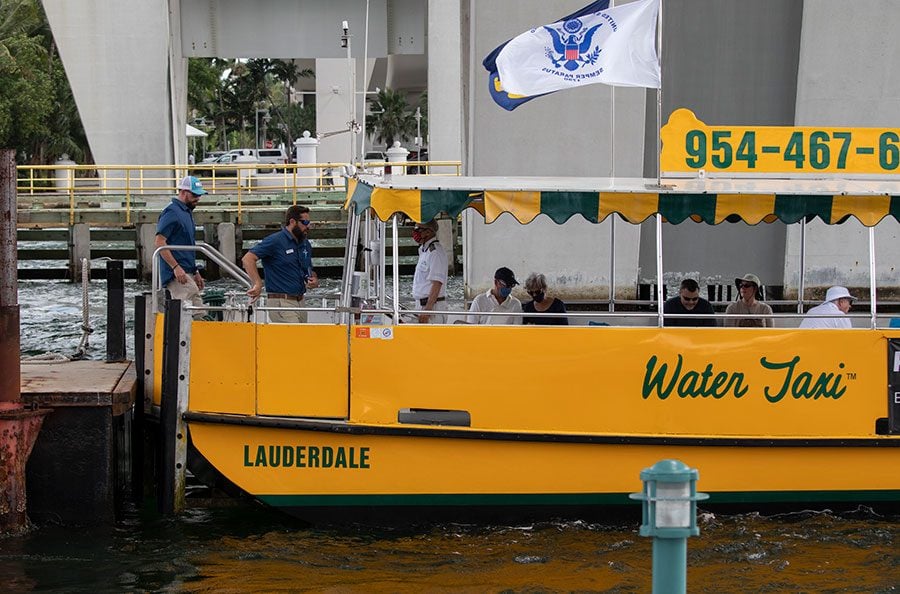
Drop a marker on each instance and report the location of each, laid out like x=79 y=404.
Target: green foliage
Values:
x=38 y=116
x=390 y=118
x=227 y=94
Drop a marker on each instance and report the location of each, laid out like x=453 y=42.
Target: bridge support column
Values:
x=145 y=244
x=79 y=248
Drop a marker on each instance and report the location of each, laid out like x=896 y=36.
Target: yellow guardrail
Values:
x=241 y=179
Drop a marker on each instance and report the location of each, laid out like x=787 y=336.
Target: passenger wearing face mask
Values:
x=287 y=259
x=430 y=279
x=536 y=287
x=498 y=299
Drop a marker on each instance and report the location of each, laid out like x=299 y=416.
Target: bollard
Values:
x=669 y=515
x=18 y=427
x=115 y=311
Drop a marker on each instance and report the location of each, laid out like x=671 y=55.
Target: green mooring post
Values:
x=669 y=514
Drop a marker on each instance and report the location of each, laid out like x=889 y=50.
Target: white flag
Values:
x=616 y=47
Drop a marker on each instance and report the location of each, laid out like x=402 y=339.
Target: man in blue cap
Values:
x=178 y=269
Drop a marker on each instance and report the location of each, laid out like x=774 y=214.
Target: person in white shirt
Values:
x=498 y=299
x=838 y=301
x=430 y=279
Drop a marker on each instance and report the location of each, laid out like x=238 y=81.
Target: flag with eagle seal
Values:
x=616 y=46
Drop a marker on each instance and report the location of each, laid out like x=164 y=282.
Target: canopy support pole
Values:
x=382 y=274
x=801 y=288
x=367 y=245
x=395 y=267
x=659 y=270
x=612 y=263
x=349 y=266
x=872 y=298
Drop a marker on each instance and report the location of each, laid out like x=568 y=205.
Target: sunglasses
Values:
x=691 y=299
x=302 y=222
x=747 y=286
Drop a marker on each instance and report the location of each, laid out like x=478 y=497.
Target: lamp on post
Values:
x=669 y=515
x=418 y=116
x=265 y=113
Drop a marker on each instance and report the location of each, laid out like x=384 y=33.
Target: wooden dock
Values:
x=80 y=466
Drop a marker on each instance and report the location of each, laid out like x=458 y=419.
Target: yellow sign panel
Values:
x=690 y=145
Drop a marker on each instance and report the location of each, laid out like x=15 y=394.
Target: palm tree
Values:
x=288 y=73
x=390 y=118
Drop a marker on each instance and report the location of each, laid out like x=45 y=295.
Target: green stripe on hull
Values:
x=459 y=500
x=580 y=499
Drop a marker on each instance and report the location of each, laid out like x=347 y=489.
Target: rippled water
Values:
x=251 y=549
x=248 y=548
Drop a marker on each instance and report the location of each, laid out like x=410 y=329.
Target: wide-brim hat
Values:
x=835 y=293
x=747 y=278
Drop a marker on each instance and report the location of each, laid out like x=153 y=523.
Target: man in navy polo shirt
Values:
x=178 y=269
x=287 y=260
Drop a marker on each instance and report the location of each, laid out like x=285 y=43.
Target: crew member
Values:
x=178 y=271
x=287 y=259
x=430 y=280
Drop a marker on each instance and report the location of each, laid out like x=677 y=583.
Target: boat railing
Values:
x=230 y=268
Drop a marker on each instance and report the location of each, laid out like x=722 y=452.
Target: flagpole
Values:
x=612 y=141
x=659 y=44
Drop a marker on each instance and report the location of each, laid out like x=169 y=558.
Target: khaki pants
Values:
x=286 y=317
x=188 y=291
x=433 y=318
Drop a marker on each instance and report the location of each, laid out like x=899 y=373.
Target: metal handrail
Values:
x=207 y=250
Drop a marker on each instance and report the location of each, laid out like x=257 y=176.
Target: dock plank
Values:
x=78 y=383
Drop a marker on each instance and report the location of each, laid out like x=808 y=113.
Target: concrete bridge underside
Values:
x=127 y=61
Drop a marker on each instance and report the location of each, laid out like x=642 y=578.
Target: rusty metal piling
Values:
x=19 y=427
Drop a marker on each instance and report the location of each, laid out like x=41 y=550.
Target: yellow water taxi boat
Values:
x=351 y=414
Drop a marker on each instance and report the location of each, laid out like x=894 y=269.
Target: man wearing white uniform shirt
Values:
x=430 y=279
x=498 y=299
x=837 y=302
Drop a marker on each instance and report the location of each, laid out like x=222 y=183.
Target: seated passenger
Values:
x=536 y=287
x=498 y=299
x=688 y=301
x=748 y=290
x=838 y=301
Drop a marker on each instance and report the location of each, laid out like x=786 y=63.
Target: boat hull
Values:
x=295 y=464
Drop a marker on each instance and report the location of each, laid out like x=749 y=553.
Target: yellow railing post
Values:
x=71 y=179
x=128 y=196
x=240 y=210
x=294 y=187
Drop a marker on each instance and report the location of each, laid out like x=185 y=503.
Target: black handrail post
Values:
x=115 y=311
x=168 y=410
x=137 y=420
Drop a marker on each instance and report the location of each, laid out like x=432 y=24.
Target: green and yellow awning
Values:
x=833 y=201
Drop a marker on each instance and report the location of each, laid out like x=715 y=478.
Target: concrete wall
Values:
x=590 y=131
x=730 y=62
x=849 y=60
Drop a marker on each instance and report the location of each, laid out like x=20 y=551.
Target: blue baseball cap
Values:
x=192 y=185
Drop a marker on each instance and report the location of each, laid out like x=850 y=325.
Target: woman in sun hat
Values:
x=748 y=303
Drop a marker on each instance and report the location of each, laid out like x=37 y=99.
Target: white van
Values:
x=273 y=156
